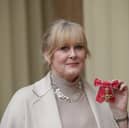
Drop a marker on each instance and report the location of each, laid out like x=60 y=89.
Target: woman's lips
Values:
x=72 y=64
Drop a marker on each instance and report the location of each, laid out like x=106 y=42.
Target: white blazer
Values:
x=35 y=107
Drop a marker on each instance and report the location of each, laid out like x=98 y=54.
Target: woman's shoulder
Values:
x=23 y=93
x=28 y=92
x=21 y=96
x=22 y=99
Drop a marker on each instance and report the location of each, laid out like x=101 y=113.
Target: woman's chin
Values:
x=72 y=73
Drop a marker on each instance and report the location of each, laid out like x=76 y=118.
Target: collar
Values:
x=40 y=88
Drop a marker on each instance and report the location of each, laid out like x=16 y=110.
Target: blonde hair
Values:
x=61 y=32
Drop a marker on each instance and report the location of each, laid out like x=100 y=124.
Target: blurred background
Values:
x=22 y=23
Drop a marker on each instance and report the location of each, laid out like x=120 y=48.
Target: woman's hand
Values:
x=119 y=107
x=121 y=98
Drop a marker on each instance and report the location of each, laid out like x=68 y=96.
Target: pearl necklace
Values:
x=63 y=97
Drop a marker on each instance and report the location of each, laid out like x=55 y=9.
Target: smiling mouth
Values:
x=72 y=64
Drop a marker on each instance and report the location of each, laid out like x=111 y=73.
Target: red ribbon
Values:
x=106 y=88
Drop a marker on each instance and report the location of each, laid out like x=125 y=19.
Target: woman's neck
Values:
x=67 y=87
x=70 y=78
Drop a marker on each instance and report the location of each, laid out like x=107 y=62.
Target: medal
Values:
x=106 y=90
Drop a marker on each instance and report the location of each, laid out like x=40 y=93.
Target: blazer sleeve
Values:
x=14 y=115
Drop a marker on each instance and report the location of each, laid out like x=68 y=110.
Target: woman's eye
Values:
x=79 y=47
x=64 y=48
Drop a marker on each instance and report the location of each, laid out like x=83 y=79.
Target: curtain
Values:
x=20 y=31
x=22 y=23
x=107 y=28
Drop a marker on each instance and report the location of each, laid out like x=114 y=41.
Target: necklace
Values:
x=62 y=96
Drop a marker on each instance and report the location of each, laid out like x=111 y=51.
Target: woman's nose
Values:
x=72 y=53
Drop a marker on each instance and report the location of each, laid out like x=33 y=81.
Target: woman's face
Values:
x=68 y=61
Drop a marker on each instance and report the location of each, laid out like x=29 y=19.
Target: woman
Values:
x=63 y=99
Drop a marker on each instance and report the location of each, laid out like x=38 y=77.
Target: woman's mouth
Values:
x=72 y=64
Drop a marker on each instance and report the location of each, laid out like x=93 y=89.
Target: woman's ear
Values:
x=47 y=58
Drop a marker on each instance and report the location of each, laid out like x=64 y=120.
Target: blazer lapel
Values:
x=93 y=106
x=45 y=111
